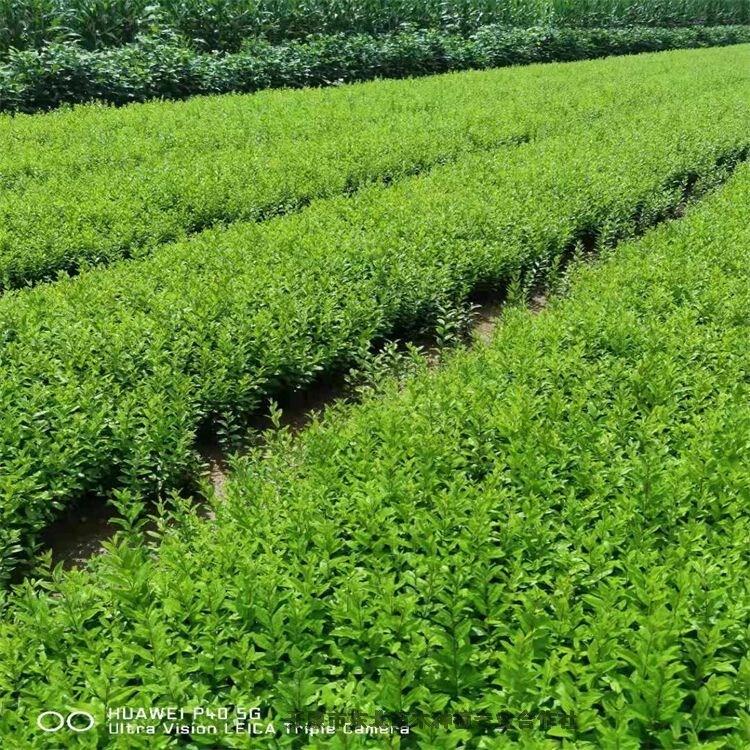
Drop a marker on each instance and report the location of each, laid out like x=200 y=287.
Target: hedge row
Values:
x=93 y=185
x=163 y=67
x=105 y=379
x=542 y=545
x=225 y=25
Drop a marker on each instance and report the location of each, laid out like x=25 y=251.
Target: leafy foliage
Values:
x=225 y=25
x=162 y=66
x=371 y=370
x=555 y=524
x=65 y=205
x=106 y=379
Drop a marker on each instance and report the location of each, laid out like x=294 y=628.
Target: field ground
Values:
x=546 y=532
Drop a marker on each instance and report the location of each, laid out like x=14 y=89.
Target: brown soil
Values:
x=78 y=536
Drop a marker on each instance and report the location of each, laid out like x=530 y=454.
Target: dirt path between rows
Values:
x=81 y=534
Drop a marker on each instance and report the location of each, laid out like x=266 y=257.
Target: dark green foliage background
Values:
x=163 y=66
x=224 y=25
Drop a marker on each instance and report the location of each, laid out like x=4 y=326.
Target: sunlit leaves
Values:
x=535 y=545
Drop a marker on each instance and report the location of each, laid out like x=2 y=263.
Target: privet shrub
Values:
x=105 y=379
x=542 y=545
x=96 y=184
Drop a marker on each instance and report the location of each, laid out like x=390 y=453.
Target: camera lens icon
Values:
x=75 y=721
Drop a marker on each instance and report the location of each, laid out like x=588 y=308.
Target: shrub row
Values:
x=96 y=184
x=105 y=379
x=163 y=67
x=547 y=538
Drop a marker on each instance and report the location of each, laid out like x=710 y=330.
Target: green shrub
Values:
x=164 y=67
x=93 y=185
x=105 y=379
x=548 y=535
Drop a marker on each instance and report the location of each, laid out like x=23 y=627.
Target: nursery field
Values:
x=538 y=541
x=107 y=378
x=543 y=544
x=95 y=184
